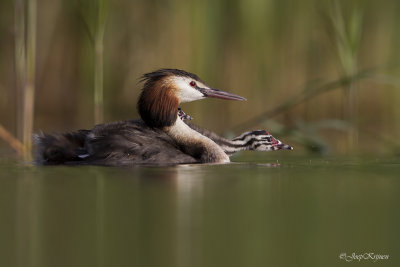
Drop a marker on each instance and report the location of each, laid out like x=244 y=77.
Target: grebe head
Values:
x=260 y=140
x=165 y=89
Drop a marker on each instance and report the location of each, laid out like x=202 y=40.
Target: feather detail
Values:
x=158 y=104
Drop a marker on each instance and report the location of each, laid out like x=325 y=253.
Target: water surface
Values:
x=261 y=211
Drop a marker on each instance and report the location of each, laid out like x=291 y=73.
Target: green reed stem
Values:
x=29 y=87
x=347 y=33
x=308 y=93
x=20 y=61
x=99 y=62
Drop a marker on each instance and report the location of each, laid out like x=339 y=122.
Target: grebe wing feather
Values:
x=131 y=143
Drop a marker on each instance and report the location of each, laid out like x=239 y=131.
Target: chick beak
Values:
x=215 y=93
x=284 y=146
x=277 y=145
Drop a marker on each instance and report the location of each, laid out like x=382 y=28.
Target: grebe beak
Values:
x=215 y=93
x=283 y=146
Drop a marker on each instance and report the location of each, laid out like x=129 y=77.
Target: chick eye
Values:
x=192 y=84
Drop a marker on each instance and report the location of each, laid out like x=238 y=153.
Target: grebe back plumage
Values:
x=160 y=137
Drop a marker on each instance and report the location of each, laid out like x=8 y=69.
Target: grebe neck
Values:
x=196 y=144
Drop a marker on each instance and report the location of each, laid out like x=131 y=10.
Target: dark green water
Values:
x=302 y=212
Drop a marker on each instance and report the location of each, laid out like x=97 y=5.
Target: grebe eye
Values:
x=192 y=84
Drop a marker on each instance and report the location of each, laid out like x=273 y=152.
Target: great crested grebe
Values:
x=160 y=137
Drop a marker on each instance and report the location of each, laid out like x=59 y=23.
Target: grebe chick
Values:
x=161 y=136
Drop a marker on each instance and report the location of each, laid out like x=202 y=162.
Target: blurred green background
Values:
x=320 y=75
